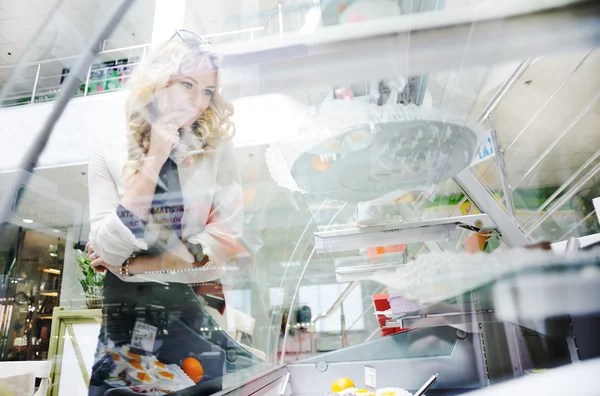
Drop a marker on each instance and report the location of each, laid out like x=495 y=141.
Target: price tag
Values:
x=143 y=336
x=370 y=378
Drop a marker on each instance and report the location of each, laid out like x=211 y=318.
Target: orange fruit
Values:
x=341 y=384
x=193 y=369
x=319 y=165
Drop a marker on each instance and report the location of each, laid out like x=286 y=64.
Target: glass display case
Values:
x=415 y=197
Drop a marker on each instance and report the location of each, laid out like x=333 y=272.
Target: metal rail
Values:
x=468 y=320
x=42 y=62
x=365 y=311
x=511 y=231
x=562 y=84
x=558 y=138
x=336 y=304
x=504 y=90
x=566 y=234
x=301 y=277
x=38 y=64
x=564 y=199
x=566 y=184
x=334 y=307
x=508 y=191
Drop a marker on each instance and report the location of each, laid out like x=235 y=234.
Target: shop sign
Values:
x=486 y=151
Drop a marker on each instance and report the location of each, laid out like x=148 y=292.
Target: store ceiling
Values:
x=19 y=20
x=53 y=29
x=65 y=26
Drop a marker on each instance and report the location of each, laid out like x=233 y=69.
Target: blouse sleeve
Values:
x=114 y=241
x=220 y=238
x=111 y=236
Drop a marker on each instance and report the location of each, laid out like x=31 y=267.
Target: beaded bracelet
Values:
x=124 y=271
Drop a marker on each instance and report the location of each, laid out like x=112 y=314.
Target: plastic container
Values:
x=400 y=305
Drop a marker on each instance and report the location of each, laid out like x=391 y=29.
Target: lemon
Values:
x=341 y=384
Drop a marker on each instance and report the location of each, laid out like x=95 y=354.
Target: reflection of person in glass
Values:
x=165 y=215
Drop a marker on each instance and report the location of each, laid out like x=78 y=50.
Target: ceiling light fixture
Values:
x=27 y=221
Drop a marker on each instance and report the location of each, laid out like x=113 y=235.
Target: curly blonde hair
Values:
x=153 y=74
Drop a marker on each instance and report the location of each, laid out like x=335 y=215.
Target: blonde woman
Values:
x=166 y=213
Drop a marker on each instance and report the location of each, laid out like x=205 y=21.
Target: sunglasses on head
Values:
x=190 y=38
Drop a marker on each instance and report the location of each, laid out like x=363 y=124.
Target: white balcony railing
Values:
x=42 y=81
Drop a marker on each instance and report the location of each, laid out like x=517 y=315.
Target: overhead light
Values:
x=53 y=254
x=27 y=221
x=51 y=270
x=231 y=32
x=367 y=237
x=56 y=230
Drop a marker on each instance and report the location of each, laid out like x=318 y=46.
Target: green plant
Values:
x=92 y=281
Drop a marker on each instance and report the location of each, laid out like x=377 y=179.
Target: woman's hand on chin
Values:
x=164 y=137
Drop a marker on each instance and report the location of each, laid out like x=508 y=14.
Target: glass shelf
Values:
x=516 y=295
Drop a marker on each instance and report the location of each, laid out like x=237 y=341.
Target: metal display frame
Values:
x=62 y=328
x=512 y=233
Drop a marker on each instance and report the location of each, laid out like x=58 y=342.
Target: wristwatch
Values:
x=197 y=251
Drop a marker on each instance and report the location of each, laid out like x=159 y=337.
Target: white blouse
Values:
x=213 y=212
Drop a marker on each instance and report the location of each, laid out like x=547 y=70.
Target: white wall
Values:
x=85 y=123
x=89 y=121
